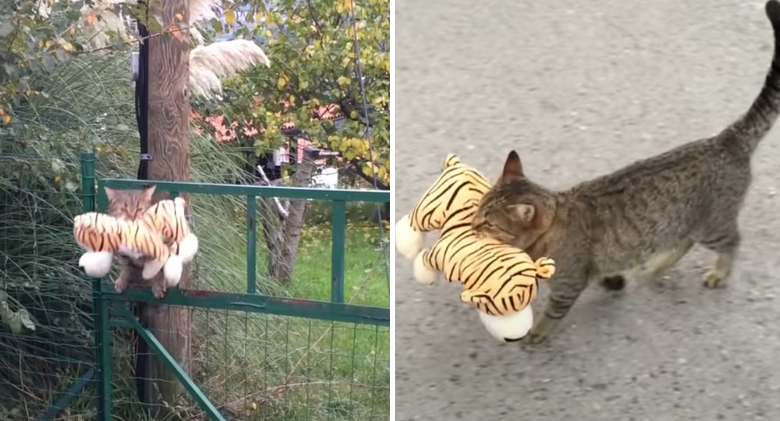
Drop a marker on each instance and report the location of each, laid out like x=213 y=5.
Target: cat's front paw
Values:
x=120 y=285
x=713 y=278
x=535 y=338
x=158 y=289
x=541 y=329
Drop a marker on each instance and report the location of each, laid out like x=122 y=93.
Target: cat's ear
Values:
x=513 y=168
x=111 y=194
x=524 y=212
x=148 y=192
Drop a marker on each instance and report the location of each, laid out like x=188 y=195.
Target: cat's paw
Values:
x=120 y=285
x=158 y=289
x=614 y=283
x=535 y=338
x=713 y=278
x=541 y=329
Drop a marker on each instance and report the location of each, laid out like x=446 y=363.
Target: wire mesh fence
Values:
x=264 y=367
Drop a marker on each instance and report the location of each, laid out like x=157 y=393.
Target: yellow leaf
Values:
x=282 y=82
x=66 y=45
x=230 y=17
x=292 y=99
x=6 y=119
x=380 y=101
x=72 y=31
x=343 y=80
x=347 y=5
x=353 y=114
x=350 y=155
x=57 y=178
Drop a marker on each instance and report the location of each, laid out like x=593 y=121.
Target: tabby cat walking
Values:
x=642 y=219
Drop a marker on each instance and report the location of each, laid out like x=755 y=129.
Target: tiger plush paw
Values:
x=96 y=264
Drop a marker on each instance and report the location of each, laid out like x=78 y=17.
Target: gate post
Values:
x=100 y=310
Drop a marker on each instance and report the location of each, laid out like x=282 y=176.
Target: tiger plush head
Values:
x=457 y=191
x=498 y=279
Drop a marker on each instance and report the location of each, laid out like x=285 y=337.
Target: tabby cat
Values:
x=129 y=204
x=642 y=219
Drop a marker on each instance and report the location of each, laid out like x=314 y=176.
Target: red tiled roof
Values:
x=227 y=133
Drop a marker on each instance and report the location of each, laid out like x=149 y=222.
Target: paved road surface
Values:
x=582 y=88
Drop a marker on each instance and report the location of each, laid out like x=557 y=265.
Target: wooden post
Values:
x=169 y=145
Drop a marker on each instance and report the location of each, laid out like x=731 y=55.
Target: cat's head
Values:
x=129 y=204
x=515 y=210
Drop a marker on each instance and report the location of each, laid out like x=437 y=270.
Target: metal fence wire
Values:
x=298 y=356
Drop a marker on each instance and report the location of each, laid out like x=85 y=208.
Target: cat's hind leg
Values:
x=564 y=292
x=655 y=267
x=660 y=263
x=725 y=242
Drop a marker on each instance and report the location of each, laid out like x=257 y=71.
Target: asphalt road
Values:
x=582 y=88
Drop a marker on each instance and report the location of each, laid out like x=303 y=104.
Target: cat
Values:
x=640 y=220
x=129 y=205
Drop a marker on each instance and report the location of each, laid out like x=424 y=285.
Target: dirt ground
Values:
x=581 y=89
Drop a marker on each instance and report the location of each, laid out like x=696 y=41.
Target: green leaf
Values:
x=15 y=323
x=26 y=320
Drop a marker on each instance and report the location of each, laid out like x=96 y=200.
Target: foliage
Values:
x=314 y=67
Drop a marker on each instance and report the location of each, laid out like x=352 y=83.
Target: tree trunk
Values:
x=283 y=237
x=169 y=145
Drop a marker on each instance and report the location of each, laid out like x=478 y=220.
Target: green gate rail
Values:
x=105 y=298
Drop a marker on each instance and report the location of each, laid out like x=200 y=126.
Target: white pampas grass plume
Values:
x=211 y=63
x=203 y=9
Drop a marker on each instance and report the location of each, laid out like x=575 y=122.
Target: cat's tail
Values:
x=749 y=129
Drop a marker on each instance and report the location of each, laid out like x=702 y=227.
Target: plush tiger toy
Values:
x=500 y=280
x=103 y=235
x=169 y=217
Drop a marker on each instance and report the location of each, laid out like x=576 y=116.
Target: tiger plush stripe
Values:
x=500 y=280
x=169 y=217
x=101 y=233
x=469 y=186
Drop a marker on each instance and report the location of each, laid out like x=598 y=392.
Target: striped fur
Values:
x=498 y=279
x=99 y=232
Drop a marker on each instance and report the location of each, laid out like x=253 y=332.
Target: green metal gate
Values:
x=111 y=310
